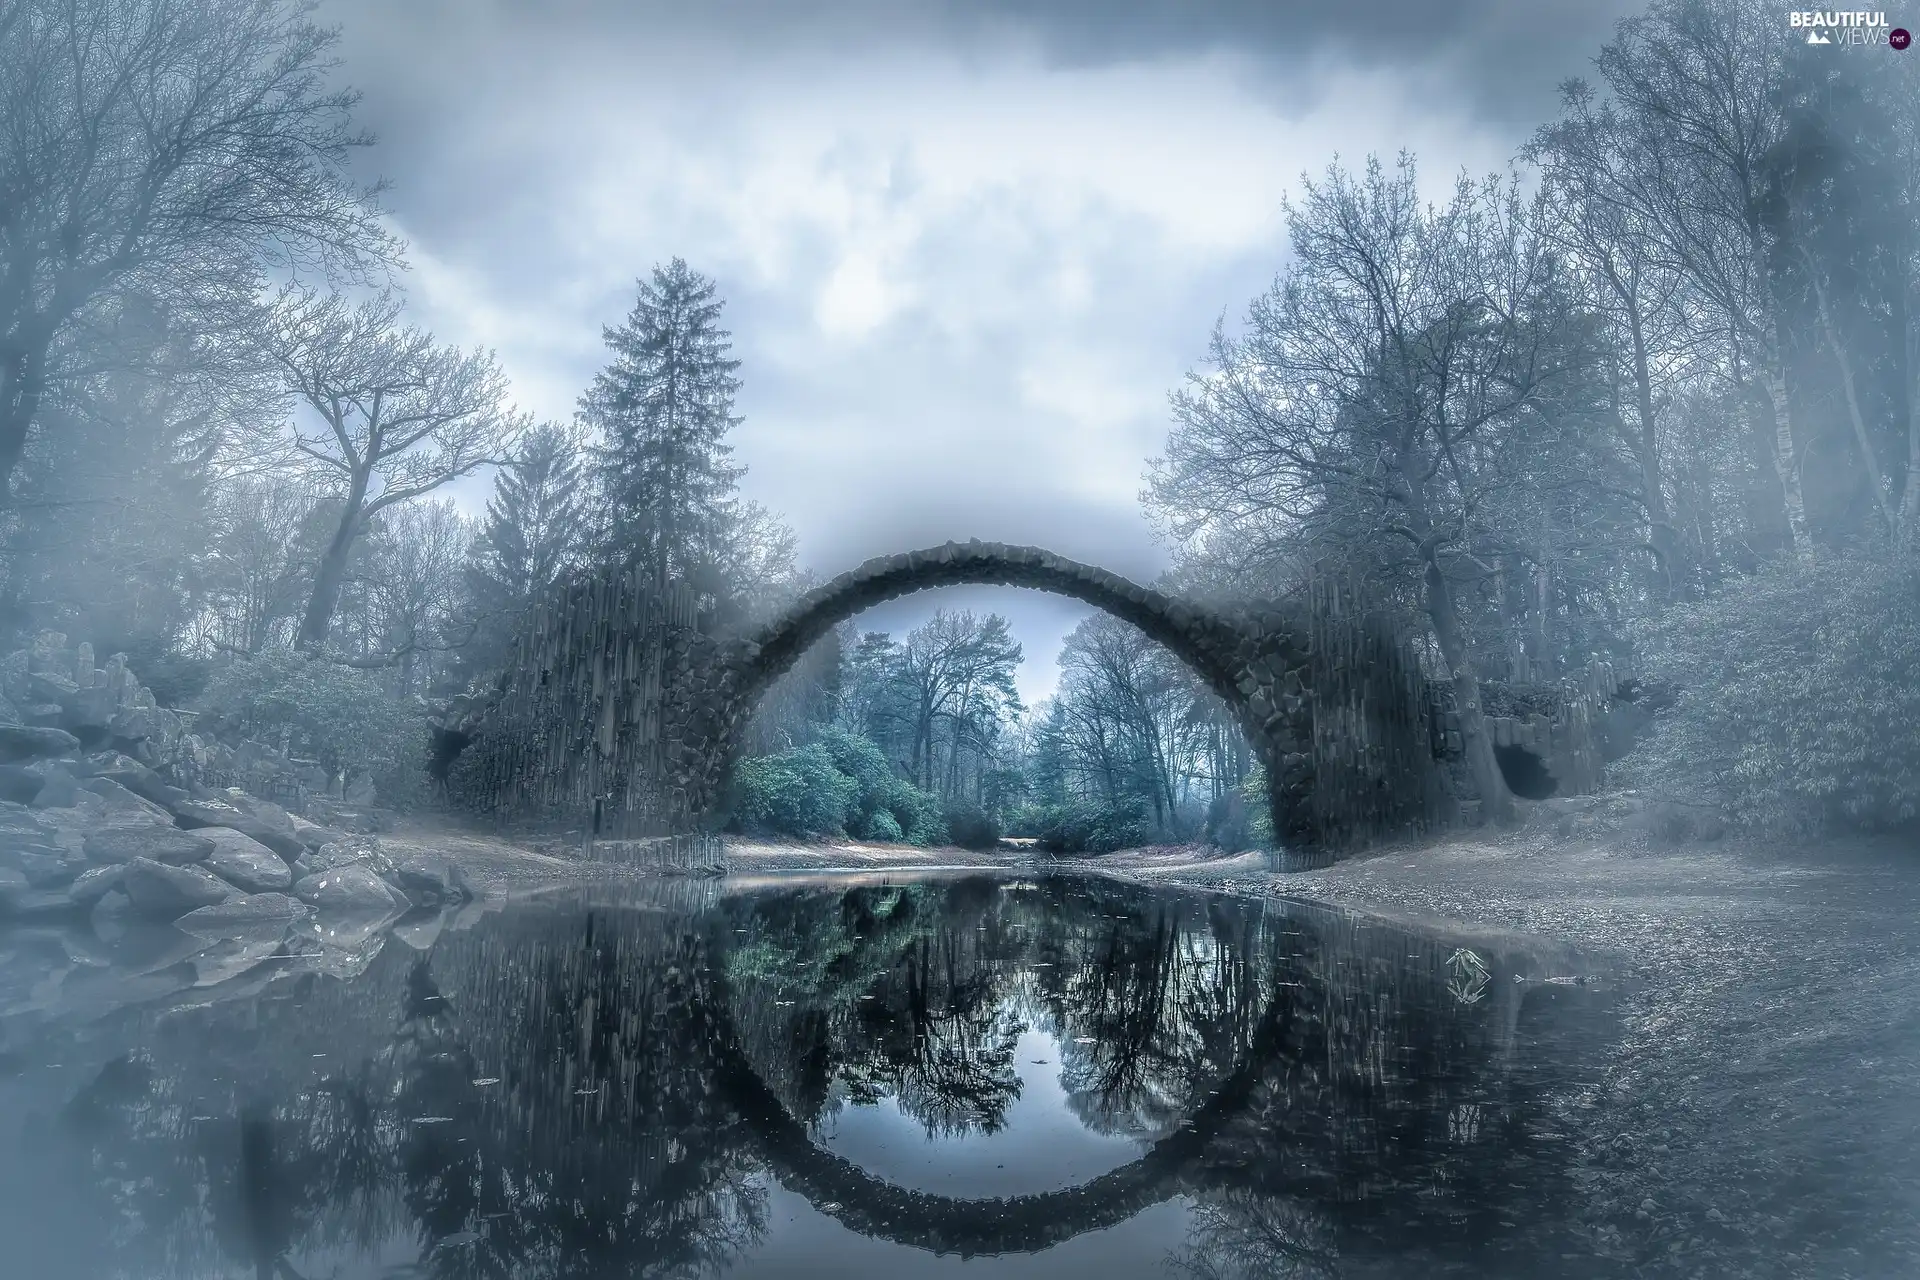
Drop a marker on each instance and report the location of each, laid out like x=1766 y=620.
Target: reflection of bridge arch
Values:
x=1013 y=1224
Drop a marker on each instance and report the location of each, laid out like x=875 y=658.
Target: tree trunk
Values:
x=332 y=573
x=1496 y=801
x=1869 y=457
x=1786 y=458
x=21 y=387
x=1661 y=535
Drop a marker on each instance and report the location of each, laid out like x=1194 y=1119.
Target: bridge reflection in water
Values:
x=587 y=1088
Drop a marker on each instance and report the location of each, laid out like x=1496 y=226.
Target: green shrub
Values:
x=971 y=827
x=342 y=715
x=1084 y=827
x=796 y=793
x=860 y=759
x=917 y=812
x=1259 y=809
x=1799 y=704
x=1229 y=824
x=839 y=783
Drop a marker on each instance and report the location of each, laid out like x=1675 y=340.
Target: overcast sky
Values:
x=967 y=248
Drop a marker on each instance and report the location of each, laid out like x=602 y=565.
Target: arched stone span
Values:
x=1206 y=643
x=622 y=710
x=1255 y=659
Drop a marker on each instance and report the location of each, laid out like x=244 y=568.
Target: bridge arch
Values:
x=1205 y=642
x=1255 y=661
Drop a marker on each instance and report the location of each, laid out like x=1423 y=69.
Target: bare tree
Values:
x=1362 y=404
x=412 y=585
x=1699 y=83
x=166 y=149
x=399 y=416
x=1590 y=173
x=258 y=576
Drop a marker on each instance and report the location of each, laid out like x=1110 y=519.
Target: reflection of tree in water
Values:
x=1242 y=1235
x=541 y=1096
x=1161 y=1001
x=599 y=1149
x=877 y=993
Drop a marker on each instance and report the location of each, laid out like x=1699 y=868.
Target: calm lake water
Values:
x=1054 y=1077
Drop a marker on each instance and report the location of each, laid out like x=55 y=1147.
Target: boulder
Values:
x=23 y=830
x=110 y=914
x=362 y=851
x=123 y=806
x=18 y=785
x=430 y=884
x=313 y=835
x=59 y=789
x=196 y=814
x=137 y=778
x=90 y=709
x=91 y=886
x=269 y=813
x=156 y=844
x=258 y=922
x=51 y=686
x=26 y=742
x=44 y=871
x=244 y=862
x=137 y=724
x=156 y=889
x=19 y=899
x=351 y=889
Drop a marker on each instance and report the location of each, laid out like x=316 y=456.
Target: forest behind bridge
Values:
x=1650 y=396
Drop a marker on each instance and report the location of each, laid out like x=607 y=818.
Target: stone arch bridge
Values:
x=627 y=709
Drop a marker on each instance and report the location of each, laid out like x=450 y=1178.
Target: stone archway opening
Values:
x=1255 y=663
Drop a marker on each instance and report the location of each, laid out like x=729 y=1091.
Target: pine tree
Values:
x=532 y=533
x=663 y=407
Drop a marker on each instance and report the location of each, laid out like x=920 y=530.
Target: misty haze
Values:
x=888 y=638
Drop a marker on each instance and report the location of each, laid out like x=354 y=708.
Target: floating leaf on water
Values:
x=432 y=1119
x=486 y=1080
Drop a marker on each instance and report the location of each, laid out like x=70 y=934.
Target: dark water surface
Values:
x=1055 y=1077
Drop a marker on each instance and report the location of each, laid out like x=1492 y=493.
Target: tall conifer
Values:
x=663 y=407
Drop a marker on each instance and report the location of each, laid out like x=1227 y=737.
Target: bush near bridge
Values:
x=343 y=716
x=839 y=784
x=1799 y=707
x=1085 y=826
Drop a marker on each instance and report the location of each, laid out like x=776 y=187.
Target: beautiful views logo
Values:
x=1849 y=26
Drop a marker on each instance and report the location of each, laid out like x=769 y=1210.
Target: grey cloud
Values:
x=1502 y=56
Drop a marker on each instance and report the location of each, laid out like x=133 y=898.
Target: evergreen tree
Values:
x=532 y=534
x=663 y=406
